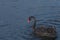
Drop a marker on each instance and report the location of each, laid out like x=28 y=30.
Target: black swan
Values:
x=42 y=31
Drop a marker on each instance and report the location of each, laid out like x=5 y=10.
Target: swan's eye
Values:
x=29 y=19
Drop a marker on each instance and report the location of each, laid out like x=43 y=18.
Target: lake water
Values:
x=14 y=15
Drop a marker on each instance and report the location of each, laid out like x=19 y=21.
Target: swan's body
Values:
x=42 y=31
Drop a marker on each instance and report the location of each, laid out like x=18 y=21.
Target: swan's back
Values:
x=48 y=32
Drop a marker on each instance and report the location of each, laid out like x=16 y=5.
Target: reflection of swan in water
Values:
x=42 y=31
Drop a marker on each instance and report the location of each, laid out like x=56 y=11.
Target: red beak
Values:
x=28 y=21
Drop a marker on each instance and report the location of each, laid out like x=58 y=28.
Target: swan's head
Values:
x=30 y=18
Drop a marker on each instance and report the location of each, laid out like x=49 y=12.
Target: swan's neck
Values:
x=34 y=24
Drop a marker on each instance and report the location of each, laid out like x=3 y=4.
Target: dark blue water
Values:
x=14 y=14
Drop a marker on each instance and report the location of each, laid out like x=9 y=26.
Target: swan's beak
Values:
x=28 y=21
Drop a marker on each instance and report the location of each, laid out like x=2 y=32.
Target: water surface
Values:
x=14 y=14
